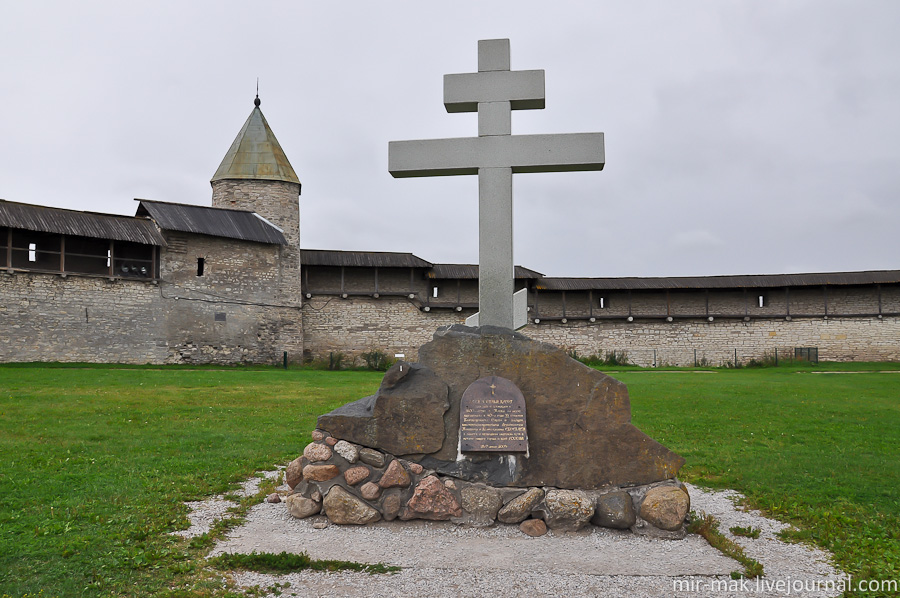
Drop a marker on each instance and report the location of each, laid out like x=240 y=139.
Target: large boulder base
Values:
x=580 y=434
x=405 y=416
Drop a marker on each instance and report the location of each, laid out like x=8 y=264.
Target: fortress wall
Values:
x=837 y=339
x=362 y=280
x=776 y=302
x=395 y=325
x=277 y=201
x=245 y=308
x=230 y=316
x=361 y=324
x=45 y=317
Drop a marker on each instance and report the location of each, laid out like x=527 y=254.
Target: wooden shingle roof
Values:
x=216 y=222
x=82 y=224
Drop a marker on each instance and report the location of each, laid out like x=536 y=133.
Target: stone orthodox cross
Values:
x=494 y=91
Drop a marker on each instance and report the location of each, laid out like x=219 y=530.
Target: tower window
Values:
x=602 y=302
x=201 y=264
x=434 y=294
x=761 y=301
x=32 y=252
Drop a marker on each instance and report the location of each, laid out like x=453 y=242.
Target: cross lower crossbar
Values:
x=523 y=153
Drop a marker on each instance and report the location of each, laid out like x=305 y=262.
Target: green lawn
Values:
x=821 y=450
x=96 y=462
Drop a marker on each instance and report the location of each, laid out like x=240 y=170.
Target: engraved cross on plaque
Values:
x=494 y=91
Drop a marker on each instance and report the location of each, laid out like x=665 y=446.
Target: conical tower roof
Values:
x=256 y=154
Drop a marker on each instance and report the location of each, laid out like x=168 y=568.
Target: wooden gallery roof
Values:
x=216 y=222
x=720 y=282
x=80 y=224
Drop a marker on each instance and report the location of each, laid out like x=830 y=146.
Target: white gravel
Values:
x=442 y=559
x=204 y=513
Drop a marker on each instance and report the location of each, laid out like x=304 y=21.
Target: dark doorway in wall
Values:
x=201 y=265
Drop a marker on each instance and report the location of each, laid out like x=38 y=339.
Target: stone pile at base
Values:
x=355 y=485
x=491 y=426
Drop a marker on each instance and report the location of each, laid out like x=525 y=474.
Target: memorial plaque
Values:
x=492 y=417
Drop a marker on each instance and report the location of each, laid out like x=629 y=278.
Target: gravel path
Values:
x=442 y=559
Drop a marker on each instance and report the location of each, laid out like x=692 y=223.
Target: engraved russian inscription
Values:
x=492 y=417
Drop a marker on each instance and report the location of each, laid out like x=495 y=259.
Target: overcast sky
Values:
x=742 y=137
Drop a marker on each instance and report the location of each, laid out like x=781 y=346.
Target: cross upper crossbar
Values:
x=494 y=91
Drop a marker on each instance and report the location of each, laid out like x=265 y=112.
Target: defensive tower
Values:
x=256 y=175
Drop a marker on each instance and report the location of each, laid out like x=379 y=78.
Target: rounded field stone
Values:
x=519 y=508
x=415 y=468
x=355 y=475
x=431 y=500
x=320 y=473
x=293 y=473
x=481 y=504
x=347 y=451
x=343 y=508
x=301 y=507
x=371 y=457
x=273 y=498
x=390 y=506
x=666 y=507
x=567 y=510
x=315 y=452
x=370 y=491
x=395 y=476
x=615 y=510
x=318 y=435
x=331 y=441
x=533 y=527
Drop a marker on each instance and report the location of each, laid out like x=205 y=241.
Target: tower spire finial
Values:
x=256 y=102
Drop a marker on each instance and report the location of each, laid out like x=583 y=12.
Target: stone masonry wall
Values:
x=244 y=309
x=360 y=324
x=45 y=317
x=675 y=343
x=276 y=201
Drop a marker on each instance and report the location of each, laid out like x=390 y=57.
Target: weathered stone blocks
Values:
x=533 y=527
x=347 y=451
x=396 y=454
x=431 y=499
x=301 y=507
x=405 y=416
x=566 y=510
x=293 y=473
x=343 y=508
x=579 y=420
x=317 y=452
x=395 y=476
x=320 y=473
x=519 y=508
x=355 y=475
x=480 y=505
x=666 y=507
x=415 y=493
x=614 y=509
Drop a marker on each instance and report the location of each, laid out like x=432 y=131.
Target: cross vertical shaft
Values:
x=496 y=265
x=496 y=270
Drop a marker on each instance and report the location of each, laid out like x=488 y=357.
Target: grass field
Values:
x=96 y=462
